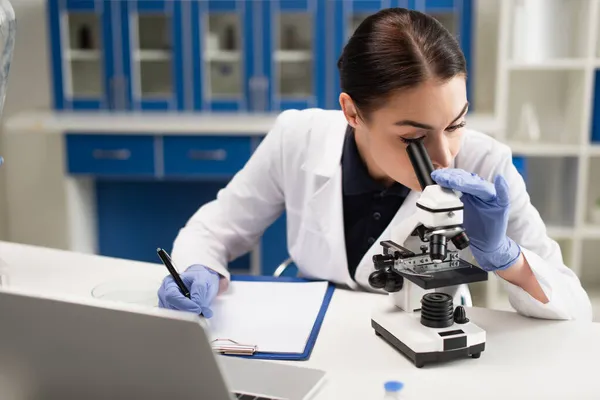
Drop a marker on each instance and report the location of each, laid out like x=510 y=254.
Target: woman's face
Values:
x=432 y=112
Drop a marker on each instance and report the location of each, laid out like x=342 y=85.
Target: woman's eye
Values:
x=455 y=127
x=412 y=140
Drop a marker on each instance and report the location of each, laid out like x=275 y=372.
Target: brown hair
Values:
x=396 y=49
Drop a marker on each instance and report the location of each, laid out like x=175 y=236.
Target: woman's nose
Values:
x=440 y=154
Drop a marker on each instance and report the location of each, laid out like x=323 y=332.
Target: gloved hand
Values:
x=203 y=284
x=485 y=220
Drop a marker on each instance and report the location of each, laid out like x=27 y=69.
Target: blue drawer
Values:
x=205 y=156
x=115 y=155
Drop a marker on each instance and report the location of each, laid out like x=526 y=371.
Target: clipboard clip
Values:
x=228 y=346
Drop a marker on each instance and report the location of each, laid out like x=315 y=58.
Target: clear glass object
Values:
x=140 y=291
x=222 y=43
x=294 y=55
x=8 y=30
x=83 y=54
x=154 y=55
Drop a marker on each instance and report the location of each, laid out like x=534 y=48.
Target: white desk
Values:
x=524 y=358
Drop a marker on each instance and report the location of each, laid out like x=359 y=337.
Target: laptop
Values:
x=55 y=348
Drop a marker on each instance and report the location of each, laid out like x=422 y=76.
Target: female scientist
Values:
x=344 y=176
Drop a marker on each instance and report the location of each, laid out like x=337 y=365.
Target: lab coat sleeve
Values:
x=231 y=225
x=567 y=298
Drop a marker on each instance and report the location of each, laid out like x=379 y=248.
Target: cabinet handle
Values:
x=119 y=154
x=207 y=155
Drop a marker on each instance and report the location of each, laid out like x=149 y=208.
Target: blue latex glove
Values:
x=485 y=216
x=203 y=284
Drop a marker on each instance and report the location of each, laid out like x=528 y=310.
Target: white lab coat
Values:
x=297 y=168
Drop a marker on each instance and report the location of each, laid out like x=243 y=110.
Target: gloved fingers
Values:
x=189 y=279
x=203 y=292
x=162 y=289
x=502 y=191
x=207 y=312
x=465 y=182
x=172 y=298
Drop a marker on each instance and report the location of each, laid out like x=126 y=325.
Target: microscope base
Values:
x=424 y=345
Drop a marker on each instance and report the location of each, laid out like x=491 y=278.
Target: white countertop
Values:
x=524 y=358
x=166 y=123
x=141 y=123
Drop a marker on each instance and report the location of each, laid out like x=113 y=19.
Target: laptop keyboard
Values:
x=251 y=397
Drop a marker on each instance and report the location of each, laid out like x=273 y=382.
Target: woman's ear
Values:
x=350 y=111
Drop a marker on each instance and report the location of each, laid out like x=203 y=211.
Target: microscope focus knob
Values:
x=378 y=279
x=387 y=280
x=383 y=261
x=394 y=283
x=460 y=315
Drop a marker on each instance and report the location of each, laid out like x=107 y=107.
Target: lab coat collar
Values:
x=325 y=206
x=325 y=147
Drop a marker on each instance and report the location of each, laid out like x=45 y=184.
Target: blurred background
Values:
x=122 y=117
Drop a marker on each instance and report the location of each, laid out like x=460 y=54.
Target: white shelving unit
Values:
x=549 y=51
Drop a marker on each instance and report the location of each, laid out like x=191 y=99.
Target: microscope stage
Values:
x=466 y=273
x=423 y=344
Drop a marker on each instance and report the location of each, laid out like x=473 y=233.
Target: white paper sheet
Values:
x=275 y=316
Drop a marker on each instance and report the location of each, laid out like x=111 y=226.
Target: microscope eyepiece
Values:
x=437 y=247
x=421 y=163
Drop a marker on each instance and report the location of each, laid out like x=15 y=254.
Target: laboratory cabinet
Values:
x=147 y=185
x=117 y=55
x=212 y=55
x=152 y=156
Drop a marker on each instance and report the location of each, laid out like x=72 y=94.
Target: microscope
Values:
x=420 y=259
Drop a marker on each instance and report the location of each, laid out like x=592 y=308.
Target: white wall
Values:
x=28 y=84
x=34 y=161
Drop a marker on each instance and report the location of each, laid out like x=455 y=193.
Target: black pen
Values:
x=166 y=260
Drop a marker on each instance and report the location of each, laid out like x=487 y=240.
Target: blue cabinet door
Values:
x=135 y=217
x=152 y=54
x=81 y=39
x=293 y=45
x=221 y=54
